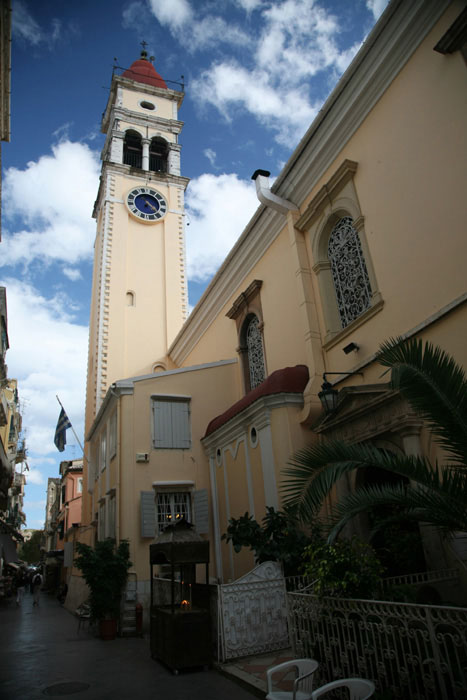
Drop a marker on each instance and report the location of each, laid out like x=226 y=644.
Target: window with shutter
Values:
x=171 y=423
x=171 y=507
x=201 y=511
x=148 y=514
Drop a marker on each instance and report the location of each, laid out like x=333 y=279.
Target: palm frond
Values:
x=313 y=471
x=436 y=387
x=443 y=508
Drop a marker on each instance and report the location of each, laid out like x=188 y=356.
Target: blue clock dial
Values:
x=146 y=204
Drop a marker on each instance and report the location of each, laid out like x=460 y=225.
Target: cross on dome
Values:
x=142 y=71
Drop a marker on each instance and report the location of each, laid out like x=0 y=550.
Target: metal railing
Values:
x=409 y=651
x=420 y=578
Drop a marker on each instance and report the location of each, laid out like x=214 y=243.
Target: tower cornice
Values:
x=138 y=174
x=128 y=84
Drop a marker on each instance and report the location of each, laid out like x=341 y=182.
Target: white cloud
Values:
x=25 y=27
x=73 y=273
x=249 y=5
x=34 y=476
x=48 y=355
x=58 y=221
x=296 y=42
x=376 y=7
x=192 y=29
x=210 y=155
x=219 y=208
x=172 y=13
x=227 y=85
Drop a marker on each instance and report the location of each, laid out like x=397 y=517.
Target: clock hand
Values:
x=150 y=205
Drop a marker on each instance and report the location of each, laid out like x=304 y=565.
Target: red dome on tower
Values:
x=142 y=71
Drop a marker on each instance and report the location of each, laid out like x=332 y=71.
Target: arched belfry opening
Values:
x=133 y=149
x=158 y=155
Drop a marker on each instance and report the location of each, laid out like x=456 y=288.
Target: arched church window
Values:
x=130 y=298
x=158 y=154
x=349 y=271
x=133 y=149
x=255 y=354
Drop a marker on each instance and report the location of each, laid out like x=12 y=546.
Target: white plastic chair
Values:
x=359 y=688
x=303 y=683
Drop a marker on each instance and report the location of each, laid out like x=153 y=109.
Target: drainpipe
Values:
x=265 y=195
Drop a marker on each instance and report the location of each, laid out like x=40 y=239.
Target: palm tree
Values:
x=436 y=387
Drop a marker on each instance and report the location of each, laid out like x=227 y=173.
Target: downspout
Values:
x=266 y=197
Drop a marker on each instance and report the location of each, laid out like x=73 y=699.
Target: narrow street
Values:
x=44 y=655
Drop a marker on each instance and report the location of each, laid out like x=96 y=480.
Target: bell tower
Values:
x=139 y=290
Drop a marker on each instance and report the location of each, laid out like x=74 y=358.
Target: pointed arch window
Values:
x=133 y=149
x=158 y=154
x=349 y=271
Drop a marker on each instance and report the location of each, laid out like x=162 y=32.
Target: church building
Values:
x=361 y=238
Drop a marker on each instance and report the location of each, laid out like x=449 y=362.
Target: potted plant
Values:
x=105 y=570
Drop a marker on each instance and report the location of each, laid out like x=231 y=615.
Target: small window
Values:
x=171 y=423
x=113 y=435
x=172 y=507
x=147 y=105
x=103 y=452
x=111 y=519
x=101 y=522
x=80 y=485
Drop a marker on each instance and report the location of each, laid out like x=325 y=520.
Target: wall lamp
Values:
x=351 y=347
x=328 y=395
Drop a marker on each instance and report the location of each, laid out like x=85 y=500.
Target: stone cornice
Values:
x=119 y=81
x=327 y=193
x=243 y=300
x=109 y=168
x=127 y=115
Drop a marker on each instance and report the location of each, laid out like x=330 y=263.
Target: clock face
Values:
x=146 y=204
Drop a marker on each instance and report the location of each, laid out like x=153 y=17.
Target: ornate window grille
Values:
x=172 y=507
x=254 y=343
x=349 y=271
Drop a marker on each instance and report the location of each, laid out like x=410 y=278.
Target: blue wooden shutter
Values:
x=201 y=511
x=148 y=514
x=162 y=424
x=181 y=434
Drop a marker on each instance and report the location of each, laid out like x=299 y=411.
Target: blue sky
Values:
x=256 y=72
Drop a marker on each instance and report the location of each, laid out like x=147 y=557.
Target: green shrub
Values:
x=344 y=569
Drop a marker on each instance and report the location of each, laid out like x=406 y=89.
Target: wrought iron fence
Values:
x=423 y=577
x=409 y=651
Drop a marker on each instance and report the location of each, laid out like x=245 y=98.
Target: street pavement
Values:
x=42 y=654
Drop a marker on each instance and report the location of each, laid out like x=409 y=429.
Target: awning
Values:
x=8 y=549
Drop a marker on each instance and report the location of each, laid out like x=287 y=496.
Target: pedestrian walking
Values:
x=21 y=580
x=36 y=587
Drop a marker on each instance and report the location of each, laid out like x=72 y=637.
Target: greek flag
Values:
x=63 y=424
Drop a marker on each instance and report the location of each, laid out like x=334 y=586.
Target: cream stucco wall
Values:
x=411 y=152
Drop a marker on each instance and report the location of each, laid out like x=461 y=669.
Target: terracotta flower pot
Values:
x=107 y=629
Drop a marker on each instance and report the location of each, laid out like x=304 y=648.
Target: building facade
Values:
x=360 y=239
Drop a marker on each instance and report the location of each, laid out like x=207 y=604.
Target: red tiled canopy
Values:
x=143 y=71
x=290 y=380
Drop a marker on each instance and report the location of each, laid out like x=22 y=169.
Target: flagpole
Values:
x=71 y=426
